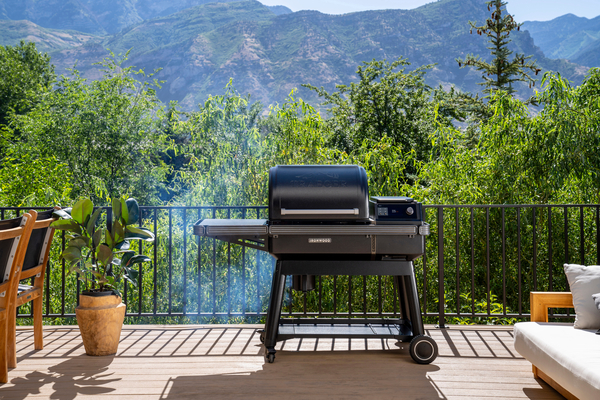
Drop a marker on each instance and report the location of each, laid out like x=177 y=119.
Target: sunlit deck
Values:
x=225 y=361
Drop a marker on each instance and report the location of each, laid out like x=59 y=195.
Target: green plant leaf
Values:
x=96 y=238
x=117 y=232
x=108 y=237
x=116 y=209
x=79 y=242
x=74 y=268
x=82 y=210
x=72 y=254
x=91 y=225
x=123 y=245
x=105 y=254
x=133 y=211
x=139 y=233
x=124 y=211
x=63 y=213
x=126 y=257
x=131 y=274
x=66 y=225
x=138 y=259
x=112 y=284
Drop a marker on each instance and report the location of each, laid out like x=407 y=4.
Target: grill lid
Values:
x=318 y=192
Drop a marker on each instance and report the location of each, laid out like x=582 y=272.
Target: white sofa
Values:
x=568 y=359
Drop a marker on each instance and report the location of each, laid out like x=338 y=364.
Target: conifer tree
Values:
x=501 y=72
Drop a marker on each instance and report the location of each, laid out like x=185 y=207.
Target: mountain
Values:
x=199 y=49
x=12 y=32
x=574 y=38
x=97 y=16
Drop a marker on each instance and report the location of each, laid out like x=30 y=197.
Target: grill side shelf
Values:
x=236 y=230
x=245 y=232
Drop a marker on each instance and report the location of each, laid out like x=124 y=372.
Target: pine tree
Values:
x=500 y=73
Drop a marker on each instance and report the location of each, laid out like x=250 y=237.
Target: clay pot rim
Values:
x=98 y=293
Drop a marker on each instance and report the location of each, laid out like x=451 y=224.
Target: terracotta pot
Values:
x=100 y=319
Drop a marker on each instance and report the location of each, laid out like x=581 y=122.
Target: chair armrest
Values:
x=541 y=301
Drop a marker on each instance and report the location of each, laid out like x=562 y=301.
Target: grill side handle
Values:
x=350 y=211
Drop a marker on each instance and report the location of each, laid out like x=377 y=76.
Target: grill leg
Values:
x=400 y=284
x=414 y=309
x=274 y=312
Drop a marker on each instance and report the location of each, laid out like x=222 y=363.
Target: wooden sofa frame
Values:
x=540 y=302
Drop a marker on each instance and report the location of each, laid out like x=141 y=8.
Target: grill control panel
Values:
x=395 y=209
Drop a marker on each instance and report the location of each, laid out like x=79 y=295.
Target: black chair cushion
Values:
x=36 y=242
x=6 y=245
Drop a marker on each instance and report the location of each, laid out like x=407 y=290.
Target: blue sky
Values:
x=523 y=10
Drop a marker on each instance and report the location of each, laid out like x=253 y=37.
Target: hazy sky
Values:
x=522 y=10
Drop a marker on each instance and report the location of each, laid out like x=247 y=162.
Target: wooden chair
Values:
x=34 y=266
x=14 y=238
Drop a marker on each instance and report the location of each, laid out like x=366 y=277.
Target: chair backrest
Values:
x=14 y=238
x=8 y=246
x=39 y=241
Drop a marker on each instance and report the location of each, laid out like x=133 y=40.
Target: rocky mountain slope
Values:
x=97 y=16
x=267 y=55
x=570 y=37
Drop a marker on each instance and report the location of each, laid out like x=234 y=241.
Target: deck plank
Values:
x=225 y=361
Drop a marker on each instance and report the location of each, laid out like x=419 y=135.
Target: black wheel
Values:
x=423 y=349
x=262 y=336
x=270 y=354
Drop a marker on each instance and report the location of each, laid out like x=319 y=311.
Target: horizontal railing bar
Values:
x=509 y=205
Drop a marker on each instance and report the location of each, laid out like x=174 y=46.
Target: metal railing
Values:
x=480 y=264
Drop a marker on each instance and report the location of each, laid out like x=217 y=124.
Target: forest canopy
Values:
x=67 y=138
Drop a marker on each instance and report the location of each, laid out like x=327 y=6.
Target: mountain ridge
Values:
x=570 y=37
x=201 y=48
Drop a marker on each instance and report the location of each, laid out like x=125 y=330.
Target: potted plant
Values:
x=102 y=259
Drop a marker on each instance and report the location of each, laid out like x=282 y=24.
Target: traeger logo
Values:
x=319 y=240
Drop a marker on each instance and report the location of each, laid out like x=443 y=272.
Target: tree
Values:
x=104 y=132
x=25 y=75
x=501 y=72
x=551 y=157
x=387 y=101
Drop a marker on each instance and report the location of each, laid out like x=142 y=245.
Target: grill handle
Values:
x=351 y=211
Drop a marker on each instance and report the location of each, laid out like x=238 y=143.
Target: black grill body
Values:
x=321 y=222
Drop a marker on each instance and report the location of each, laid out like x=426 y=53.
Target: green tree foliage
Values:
x=221 y=138
x=28 y=179
x=551 y=157
x=231 y=148
x=25 y=76
x=104 y=132
x=387 y=101
x=501 y=72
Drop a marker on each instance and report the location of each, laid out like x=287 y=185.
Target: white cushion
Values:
x=569 y=356
x=584 y=282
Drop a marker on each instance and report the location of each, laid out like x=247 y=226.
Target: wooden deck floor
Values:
x=225 y=361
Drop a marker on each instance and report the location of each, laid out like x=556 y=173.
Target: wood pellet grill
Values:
x=321 y=222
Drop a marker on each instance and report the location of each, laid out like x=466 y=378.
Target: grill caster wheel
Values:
x=262 y=336
x=270 y=355
x=423 y=349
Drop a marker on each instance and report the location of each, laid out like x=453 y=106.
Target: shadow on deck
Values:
x=225 y=361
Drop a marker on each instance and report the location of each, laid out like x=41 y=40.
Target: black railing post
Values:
x=441 y=291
